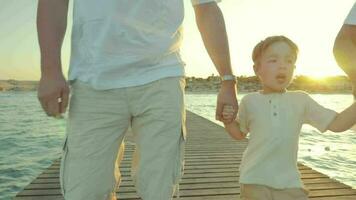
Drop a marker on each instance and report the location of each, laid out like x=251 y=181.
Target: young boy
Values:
x=273 y=117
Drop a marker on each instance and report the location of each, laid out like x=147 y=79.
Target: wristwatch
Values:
x=228 y=77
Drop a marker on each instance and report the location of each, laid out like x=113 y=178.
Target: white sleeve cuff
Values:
x=196 y=2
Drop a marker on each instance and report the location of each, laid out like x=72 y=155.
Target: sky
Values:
x=311 y=24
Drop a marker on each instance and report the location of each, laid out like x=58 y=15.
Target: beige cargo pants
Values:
x=97 y=122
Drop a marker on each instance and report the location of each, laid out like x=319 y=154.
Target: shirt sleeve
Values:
x=317 y=115
x=351 y=17
x=196 y=2
x=242 y=117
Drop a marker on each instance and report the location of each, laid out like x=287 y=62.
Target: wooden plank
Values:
x=211 y=171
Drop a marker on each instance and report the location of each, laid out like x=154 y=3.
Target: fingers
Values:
x=228 y=117
x=228 y=113
x=236 y=109
x=42 y=102
x=233 y=109
x=53 y=106
x=54 y=98
x=228 y=108
x=227 y=98
x=65 y=98
x=59 y=106
x=218 y=112
x=50 y=106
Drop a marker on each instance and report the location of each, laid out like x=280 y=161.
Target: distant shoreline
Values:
x=204 y=92
x=244 y=92
x=211 y=85
x=15 y=85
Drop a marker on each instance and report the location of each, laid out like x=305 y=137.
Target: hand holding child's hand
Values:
x=228 y=112
x=354 y=90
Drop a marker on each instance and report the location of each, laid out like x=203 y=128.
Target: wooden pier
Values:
x=211 y=171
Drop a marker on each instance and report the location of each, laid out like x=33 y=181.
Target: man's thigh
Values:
x=159 y=129
x=96 y=125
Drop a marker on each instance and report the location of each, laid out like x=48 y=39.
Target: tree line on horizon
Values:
x=245 y=83
x=338 y=83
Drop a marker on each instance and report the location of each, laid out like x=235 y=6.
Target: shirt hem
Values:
x=143 y=79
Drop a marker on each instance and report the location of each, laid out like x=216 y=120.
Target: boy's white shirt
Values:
x=274 y=122
x=120 y=43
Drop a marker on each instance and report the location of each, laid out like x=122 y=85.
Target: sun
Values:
x=317 y=77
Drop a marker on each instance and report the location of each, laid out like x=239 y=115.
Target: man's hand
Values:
x=53 y=94
x=354 y=89
x=227 y=99
x=228 y=112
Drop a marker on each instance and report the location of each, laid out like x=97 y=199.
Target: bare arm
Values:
x=345 y=51
x=211 y=25
x=234 y=130
x=344 y=120
x=51 y=27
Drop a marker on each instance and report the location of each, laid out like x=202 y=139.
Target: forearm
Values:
x=234 y=131
x=344 y=52
x=51 y=27
x=211 y=25
x=344 y=120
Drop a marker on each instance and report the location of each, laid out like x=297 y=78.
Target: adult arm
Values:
x=211 y=25
x=345 y=52
x=234 y=128
x=51 y=27
x=344 y=120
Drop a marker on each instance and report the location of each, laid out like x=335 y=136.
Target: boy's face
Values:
x=276 y=67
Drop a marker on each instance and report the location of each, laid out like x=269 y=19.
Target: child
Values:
x=274 y=117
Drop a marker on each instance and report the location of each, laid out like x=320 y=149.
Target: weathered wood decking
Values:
x=211 y=171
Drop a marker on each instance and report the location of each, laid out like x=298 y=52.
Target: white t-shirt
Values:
x=351 y=17
x=124 y=43
x=274 y=122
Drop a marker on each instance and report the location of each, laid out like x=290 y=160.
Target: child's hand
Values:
x=354 y=90
x=228 y=112
x=233 y=128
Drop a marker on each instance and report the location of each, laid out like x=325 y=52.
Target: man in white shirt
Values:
x=125 y=71
x=345 y=47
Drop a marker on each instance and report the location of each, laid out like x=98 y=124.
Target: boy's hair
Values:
x=261 y=47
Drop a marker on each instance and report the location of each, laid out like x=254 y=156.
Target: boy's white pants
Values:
x=97 y=122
